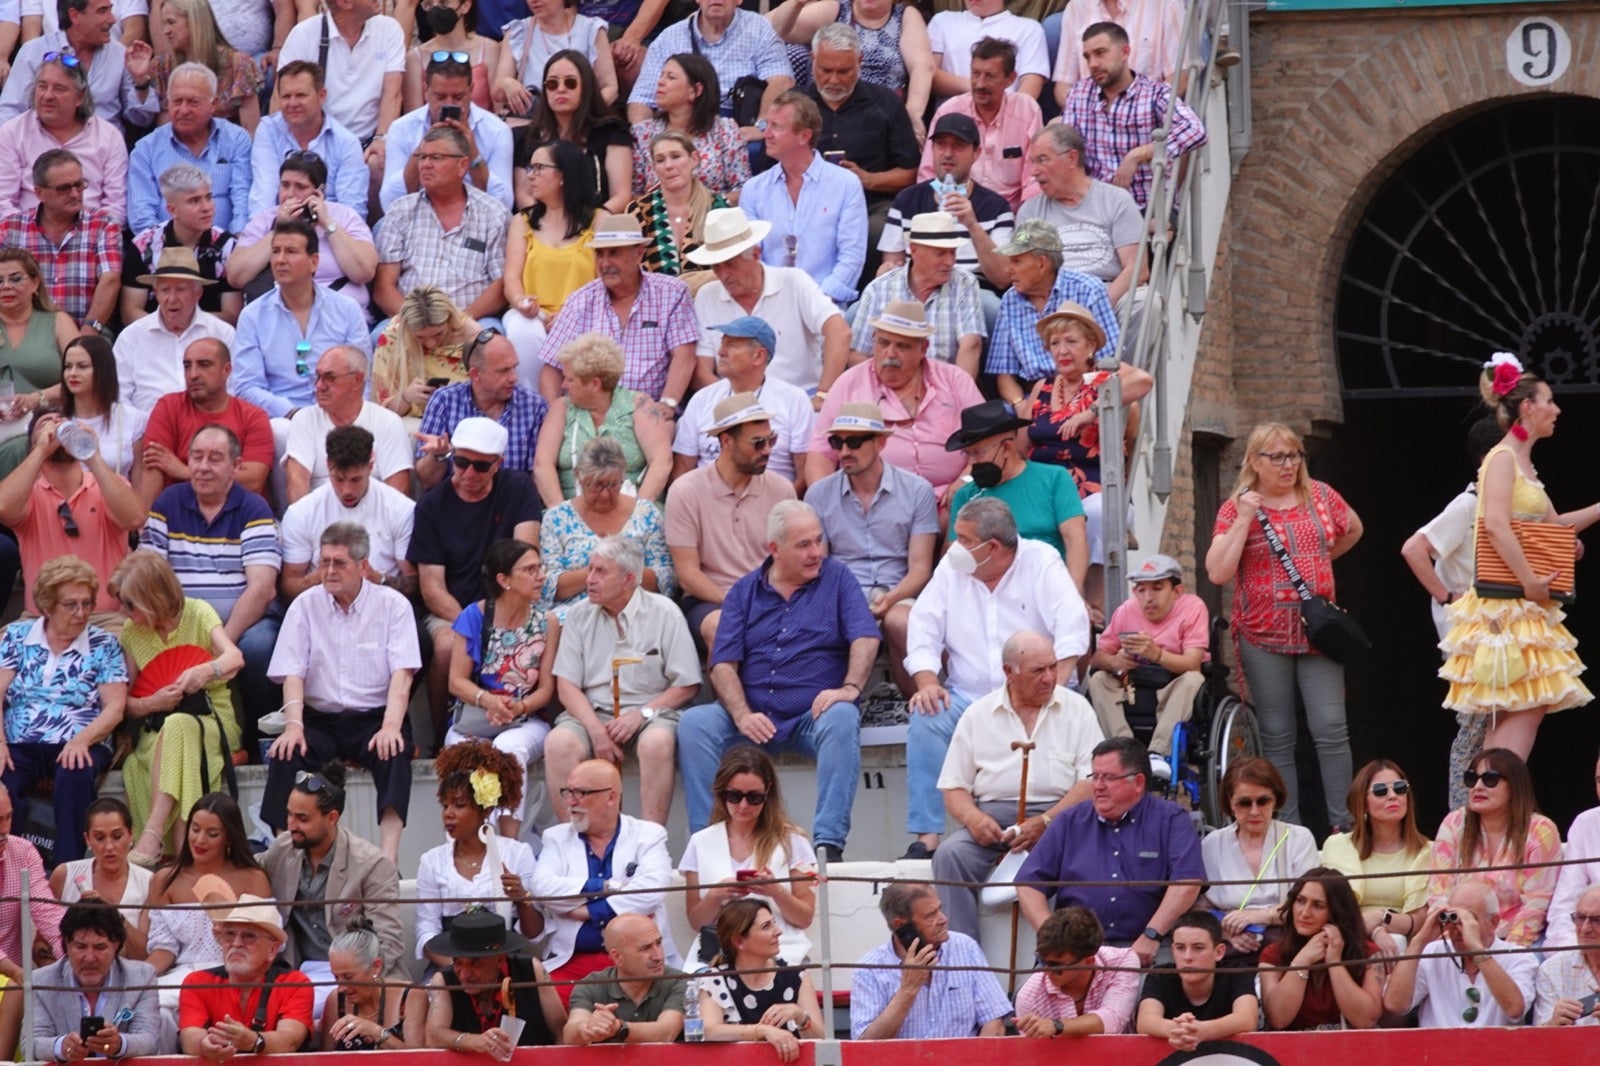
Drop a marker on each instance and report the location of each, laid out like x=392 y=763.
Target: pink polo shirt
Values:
x=727 y=527
x=99 y=147
x=1002 y=163
x=1155 y=29
x=918 y=443
x=42 y=536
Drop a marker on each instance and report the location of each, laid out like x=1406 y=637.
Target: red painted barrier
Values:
x=1403 y=1047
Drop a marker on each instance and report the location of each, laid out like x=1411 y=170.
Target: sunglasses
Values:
x=482 y=466
x=302 y=356
x=301 y=155
x=306 y=781
x=839 y=444
x=484 y=337
x=1490 y=778
x=1381 y=788
x=791 y=245
x=733 y=797
x=1244 y=803
x=66 y=59
x=68 y=186
x=449 y=57
x=1474 y=997
x=569 y=83
x=761 y=444
x=68 y=523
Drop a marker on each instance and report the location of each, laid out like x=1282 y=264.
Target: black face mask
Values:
x=986 y=475
x=441 y=19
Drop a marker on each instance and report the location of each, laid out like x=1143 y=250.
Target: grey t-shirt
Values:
x=1104 y=220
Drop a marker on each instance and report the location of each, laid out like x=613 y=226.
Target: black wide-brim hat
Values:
x=982 y=421
x=477 y=935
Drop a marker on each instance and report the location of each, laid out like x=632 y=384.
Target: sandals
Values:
x=150 y=860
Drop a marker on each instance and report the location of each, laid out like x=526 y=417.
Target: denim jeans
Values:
x=833 y=739
x=926 y=744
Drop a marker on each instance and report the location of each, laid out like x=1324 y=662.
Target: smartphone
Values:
x=1587 y=1004
x=906 y=934
x=836 y=157
x=746 y=875
x=450 y=113
x=89 y=1026
x=1123 y=637
x=435 y=383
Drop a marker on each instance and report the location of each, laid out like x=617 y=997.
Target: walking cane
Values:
x=1026 y=747
x=616 y=682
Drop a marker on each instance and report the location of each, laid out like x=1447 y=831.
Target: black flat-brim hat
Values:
x=982 y=421
x=477 y=935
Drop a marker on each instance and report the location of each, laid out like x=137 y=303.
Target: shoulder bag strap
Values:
x=322 y=45
x=1276 y=544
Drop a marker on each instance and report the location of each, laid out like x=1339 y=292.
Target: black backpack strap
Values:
x=322 y=45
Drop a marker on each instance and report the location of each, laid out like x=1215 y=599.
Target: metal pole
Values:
x=1113 y=490
x=825 y=935
x=26 y=962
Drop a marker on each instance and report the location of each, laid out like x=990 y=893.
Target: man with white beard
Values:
x=274 y=1015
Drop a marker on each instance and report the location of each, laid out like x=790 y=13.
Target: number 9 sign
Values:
x=1538 y=51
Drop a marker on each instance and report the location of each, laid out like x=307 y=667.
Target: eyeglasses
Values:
x=1381 y=788
x=330 y=376
x=572 y=795
x=67 y=186
x=449 y=57
x=76 y=606
x=242 y=936
x=761 y=444
x=70 y=524
x=438 y=157
x=839 y=444
x=1244 y=803
x=482 y=466
x=535 y=168
x=1283 y=458
x=1106 y=779
x=535 y=567
x=302 y=357
x=1470 y=1014
x=484 y=337
x=733 y=797
x=127 y=604
x=1490 y=778
x=1585 y=919
x=17 y=281
x=569 y=82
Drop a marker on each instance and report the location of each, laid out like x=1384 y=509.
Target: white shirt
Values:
x=1451 y=535
x=308 y=435
x=1440 y=995
x=118 y=431
x=982 y=761
x=355 y=75
x=951 y=35
x=1288 y=852
x=346 y=657
x=564 y=867
x=958 y=615
x=150 y=357
x=792 y=304
x=438 y=879
x=384 y=512
x=791 y=412
x=1583 y=842
x=15 y=11
x=1563 y=976
x=708 y=858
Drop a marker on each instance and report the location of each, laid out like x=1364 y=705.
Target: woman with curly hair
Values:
x=1321 y=925
x=474 y=864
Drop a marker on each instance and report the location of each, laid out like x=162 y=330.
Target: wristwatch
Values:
x=648 y=714
x=621 y=1035
x=1153 y=933
x=261 y=1043
x=1059 y=1027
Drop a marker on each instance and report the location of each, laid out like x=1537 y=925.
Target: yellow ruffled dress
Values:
x=1507 y=655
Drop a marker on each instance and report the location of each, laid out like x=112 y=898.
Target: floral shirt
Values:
x=724 y=159
x=1524 y=894
x=1266 y=607
x=52 y=698
x=565 y=542
x=1080 y=453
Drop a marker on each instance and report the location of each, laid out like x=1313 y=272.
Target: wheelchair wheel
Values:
x=1233 y=735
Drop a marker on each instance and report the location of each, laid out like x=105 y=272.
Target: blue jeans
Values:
x=926 y=744
x=833 y=739
x=257 y=694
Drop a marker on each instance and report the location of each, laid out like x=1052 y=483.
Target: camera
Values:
x=1449 y=918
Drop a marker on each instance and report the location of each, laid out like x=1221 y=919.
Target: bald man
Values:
x=1566 y=989
x=1459 y=981
x=639 y=1000
x=599 y=850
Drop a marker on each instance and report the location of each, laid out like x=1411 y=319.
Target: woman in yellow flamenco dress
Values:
x=1512 y=658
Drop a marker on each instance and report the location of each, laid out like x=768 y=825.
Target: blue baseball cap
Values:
x=751 y=328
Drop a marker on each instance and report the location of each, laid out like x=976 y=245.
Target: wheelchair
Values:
x=1221 y=728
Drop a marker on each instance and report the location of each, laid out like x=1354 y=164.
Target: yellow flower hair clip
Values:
x=485 y=788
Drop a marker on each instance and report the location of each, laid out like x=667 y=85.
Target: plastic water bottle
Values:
x=694 y=1027
x=947 y=187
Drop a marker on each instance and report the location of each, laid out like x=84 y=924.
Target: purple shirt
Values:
x=789 y=650
x=661 y=319
x=346 y=657
x=1154 y=841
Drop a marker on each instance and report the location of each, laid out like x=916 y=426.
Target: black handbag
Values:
x=198 y=705
x=745 y=96
x=1331 y=629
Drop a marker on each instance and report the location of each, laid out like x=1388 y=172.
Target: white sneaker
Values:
x=1159 y=767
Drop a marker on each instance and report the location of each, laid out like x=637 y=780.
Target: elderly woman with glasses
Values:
x=1500 y=826
x=750 y=839
x=1257 y=856
x=1316 y=526
x=473 y=864
x=65 y=688
x=1383 y=840
x=187 y=729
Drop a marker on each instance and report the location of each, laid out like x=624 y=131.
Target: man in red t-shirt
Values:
x=221 y=1015
x=205 y=399
x=1159 y=625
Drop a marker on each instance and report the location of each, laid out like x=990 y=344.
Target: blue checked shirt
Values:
x=955 y=310
x=1015 y=347
x=748 y=46
x=226 y=159
x=266 y=369
x=522 y=417
x=336 y=146
x=954 y=1003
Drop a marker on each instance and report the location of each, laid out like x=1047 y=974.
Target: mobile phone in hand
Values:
x=746 y=875
x=435 y=383
x=1587 y=1004
x=89 y=1026
x=450 y=113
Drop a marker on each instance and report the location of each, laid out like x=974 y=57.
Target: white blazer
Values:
x=564 y=867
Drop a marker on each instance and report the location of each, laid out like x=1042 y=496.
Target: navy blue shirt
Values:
x=1153 y=841
x=449 y=532
x=789 y=650
x=591 y=934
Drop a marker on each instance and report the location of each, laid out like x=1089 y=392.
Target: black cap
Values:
x=958 y=126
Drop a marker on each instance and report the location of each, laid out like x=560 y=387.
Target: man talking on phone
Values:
x=1454 y=975
x=942 y=989
x=112 y=1011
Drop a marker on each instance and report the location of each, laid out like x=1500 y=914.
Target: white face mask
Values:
x=961 y=559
